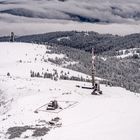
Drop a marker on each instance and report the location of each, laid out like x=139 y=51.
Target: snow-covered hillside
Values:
x=128 y=53
x=19 y=59
x=111 y=116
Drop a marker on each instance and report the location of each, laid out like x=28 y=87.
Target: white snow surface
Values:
x=20 y=58
x=115 y=115
x=61 y=38
x=128 y=53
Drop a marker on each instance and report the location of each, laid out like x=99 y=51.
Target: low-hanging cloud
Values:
x=37 y=13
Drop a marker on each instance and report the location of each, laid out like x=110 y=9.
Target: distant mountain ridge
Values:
x=84 y=40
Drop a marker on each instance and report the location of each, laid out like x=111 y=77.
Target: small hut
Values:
x=52 y=105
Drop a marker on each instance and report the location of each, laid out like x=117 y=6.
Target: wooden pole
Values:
x=93 y=68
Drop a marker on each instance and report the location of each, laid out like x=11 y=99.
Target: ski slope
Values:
x=111 y=116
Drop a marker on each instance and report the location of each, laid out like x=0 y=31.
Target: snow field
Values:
x=111 y=116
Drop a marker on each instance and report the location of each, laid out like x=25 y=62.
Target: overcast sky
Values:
x=36 y=16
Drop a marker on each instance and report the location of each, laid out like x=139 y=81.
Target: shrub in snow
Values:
x=135 y=56
x=48 y=75
x=64 y=77
x=8 y=74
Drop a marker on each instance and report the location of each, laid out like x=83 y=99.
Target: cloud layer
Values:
x=39 y=13
x=110 y=11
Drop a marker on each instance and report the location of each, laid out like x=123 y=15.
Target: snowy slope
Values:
x=20 y=58
x=128 y=53
x=112 y=116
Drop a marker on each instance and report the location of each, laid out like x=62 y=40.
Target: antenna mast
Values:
x=93 y=68
x=12 y=37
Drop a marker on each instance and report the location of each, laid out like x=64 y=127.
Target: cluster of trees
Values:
x=62 y=76
x=57 y=61
x=53 y=75
x=120 y=72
